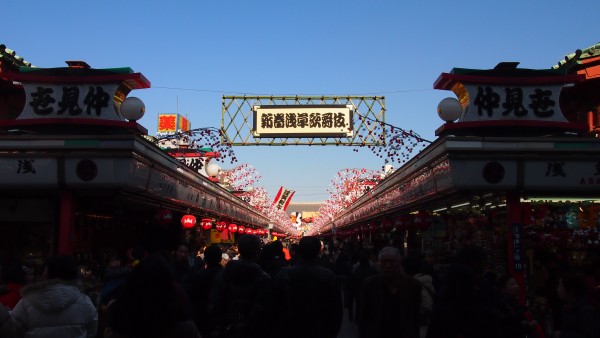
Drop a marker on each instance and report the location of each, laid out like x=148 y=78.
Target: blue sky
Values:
x=208 y=49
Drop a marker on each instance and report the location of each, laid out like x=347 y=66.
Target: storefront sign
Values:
x=172 y=123
x=562 y=175
x=303 y=121
x=489 y=103
x=91 y=101
x=28 y=171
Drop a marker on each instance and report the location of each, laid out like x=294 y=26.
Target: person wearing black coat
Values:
x=200 y=283
x=390 y=302
x=309 y=296
x=241 y=295
x=578 y=317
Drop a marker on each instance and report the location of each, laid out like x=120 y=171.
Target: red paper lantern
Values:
x=188 y=221
x=386 y=224
x=163 y=217
x=206 y=223
x=241 y=229
x=423 y=220
x=232 y=227
x=402 y=222
x=220 y=226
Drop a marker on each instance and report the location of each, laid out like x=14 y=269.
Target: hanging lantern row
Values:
x=421 y=220
x=278 y=234
x=189 y=221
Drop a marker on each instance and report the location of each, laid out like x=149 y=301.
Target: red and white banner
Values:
x=283 y=198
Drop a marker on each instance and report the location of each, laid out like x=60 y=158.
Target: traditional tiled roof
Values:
x=580 y=54
x=10 y=58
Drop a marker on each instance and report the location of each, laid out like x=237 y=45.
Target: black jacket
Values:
x=309 y=301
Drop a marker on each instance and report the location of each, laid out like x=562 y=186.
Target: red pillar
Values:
x=516 y=253
x=66 y=223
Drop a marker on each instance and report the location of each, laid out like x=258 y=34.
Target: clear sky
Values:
x=195 y=51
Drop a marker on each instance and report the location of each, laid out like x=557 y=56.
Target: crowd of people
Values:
x=257 y=289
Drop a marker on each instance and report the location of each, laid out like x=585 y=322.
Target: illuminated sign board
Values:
x=303 y=121
x=172 y=123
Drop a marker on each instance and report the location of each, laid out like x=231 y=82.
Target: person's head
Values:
x=183 y=251
x=249 y=246
x=508 y=285
x=430 y=256
x=411 y=264
x=148 y=303
x=213 y=255
x=20 y=274
x=364 y=256
x=294 y=248
x=390 y=261
x=277 y=248
x=323 y=249
x=114 y=261
x=309 y=248
x=472 y=256
x=61 y=267
x=571 y=286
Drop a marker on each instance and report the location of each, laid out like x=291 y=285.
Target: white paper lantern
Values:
x=449 y=109
x=212 y=169
x=133 y=108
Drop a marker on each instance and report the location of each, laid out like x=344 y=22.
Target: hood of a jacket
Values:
x=52 y=295
x=425 y=280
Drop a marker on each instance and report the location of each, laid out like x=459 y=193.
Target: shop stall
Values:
x=514 y=170
x=79 y=175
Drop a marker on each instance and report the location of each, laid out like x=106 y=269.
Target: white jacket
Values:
x=55 y=308
x=427 y=293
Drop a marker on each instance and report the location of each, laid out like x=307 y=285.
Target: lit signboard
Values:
x=172 y=123
x=303 y=121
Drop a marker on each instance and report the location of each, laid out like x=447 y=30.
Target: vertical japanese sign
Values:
x=283 y=198
x=517 y=252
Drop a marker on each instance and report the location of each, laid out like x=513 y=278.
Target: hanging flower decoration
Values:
x=163 y=217
x=396 y=145
x=240 y=177
x=347 y=186
x=207 y=137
